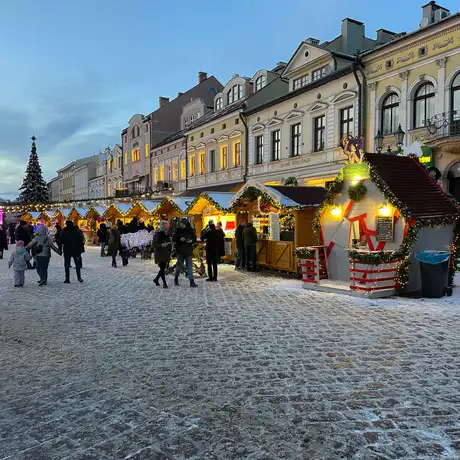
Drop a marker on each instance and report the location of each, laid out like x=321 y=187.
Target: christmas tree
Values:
x=33 y=188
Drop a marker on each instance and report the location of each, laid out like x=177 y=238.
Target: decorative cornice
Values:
x=405 y=58
x=441 y=63
x=443 y=44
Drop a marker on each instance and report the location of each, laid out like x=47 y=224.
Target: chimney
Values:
x=352 y=36
x=162 y=101
x=312 y=41
x=202 y=76
x=179 y=94
x=384 y=36
x=432 y=13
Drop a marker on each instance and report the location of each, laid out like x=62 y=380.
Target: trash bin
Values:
x=434 y=272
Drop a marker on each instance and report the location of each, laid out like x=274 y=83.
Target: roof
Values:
x=84 y=161
x=213 y=189
x=408 y=180
x=150 y=205
x=305 y=196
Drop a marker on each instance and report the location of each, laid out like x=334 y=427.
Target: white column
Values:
x=441 y=95
x=372 y=115
x=404 y=106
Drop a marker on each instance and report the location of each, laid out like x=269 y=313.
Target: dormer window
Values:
x=260 y=82
x=300 y=82
x=235 y=94
x=319 y=73
x=219 y=103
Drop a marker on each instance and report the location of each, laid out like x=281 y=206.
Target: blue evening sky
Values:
x=74 y=72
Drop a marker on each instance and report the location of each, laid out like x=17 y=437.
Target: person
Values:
x=19 y=259
x=133 y=226
x=250 y=246
x=150 y=228
x=113 y=244
x=22 y=234
x=3 y=241
x=79 y=230
x=184 y=238
x=102 y=236
x=43 y=245
x=57 y=234
x=72 y=244
x=162 y=252
x=213 y=241
x=12 y=231
x=30 y=229
x=239 y=241
x=221 y=241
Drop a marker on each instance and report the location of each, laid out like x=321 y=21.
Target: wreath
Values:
x=357 y=192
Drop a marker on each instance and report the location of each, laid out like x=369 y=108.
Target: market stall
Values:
x=282 y=216
x=36 y=218
x=93 y=218
x=145 y=211
x=79 y=219
x=60 y=216
x=380 y=211
x=171 y=207
x=117 y=211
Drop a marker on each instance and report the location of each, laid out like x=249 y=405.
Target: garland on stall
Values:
x=403 y=254
x=332 y=191
x=357 y=192
x=455 y=257
x=374 y=258
x=205 y=196
x=304 y=253
x=252 y=194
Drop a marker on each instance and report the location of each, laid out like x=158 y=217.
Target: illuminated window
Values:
x=236 y=154
x=114 y=163
x=126 y=158
x=174 y=171
x=146 y=149
x=182 y=169
x=155 y=175
x=202 y=168
x=223 y=157
x=136 y=155
x=109 y=165
x=162 y=173
x=109 y=190
x=192 y=165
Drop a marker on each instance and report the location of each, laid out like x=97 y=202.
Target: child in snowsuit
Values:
x=18 y=260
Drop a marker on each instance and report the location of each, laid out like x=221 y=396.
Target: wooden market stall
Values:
x=60 y=216
x=79 y=219
x=145 y=211
x=93 y=219
x=380 y=211
x=171 y=207
x=36 y=218
x=282 y=216
x=117 y=211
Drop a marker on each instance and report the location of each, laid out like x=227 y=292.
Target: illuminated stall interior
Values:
x=171 y=207
x=145 y=211
x=94 y=218
x=118 y=211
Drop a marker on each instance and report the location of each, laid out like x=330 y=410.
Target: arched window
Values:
x=219 y=103
x=260 y=82
x=456 y=96
x=229 y=96
x=424 y=105
x=390 y=114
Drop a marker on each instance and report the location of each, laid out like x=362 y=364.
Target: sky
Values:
x=74 y=72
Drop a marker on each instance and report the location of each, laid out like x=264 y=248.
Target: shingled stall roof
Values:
x=304 y=196
x=409 y=182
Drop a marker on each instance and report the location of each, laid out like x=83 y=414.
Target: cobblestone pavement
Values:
x=252 y=367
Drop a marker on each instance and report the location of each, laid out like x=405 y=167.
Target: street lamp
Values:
x=399 y=137
x=378 y=139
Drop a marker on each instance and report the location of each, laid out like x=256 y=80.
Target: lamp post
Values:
x=399 y=137
x=378 y=140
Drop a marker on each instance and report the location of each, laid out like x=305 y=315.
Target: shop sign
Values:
x=275 y=230
x=427 y=157
x=356 y=171
x=384 y=229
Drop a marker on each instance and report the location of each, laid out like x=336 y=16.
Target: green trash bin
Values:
x=434 y=273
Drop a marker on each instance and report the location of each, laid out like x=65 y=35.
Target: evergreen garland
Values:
x=304 y=253
x=291 y=181
x=33 y=188
x=357 y=192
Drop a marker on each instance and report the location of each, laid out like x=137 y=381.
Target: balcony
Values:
x=444 y=131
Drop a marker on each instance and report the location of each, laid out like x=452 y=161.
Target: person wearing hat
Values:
x=18 y=260
x=72 y=242
x=184 y=238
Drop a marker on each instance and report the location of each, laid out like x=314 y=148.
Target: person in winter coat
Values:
x=57 y=235
x=213 y=241
x=12 y=231
x=239 y=240
x=221 y=241
x=133 y=226
x=3 y=241
x=72 y=244
x=184 y=238
x=250 y=246
x=102 y=236
x=22 y=234
x=19 y=260
x=162 y=251
x=43 y=245
x=113 y=244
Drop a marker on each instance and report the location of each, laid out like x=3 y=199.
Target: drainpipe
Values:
x=186 y=163
x=246 y=149
x=362 y=85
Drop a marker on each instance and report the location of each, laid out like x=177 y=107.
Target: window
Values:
x=346 y=122
x=237 y=93
x=182 y=169
x=135 y=132
x=300 y=82
x=260 y=82
x=389 y=64
x=146 y=128
x=390 y=114
x=168 y=172
x=136 y=154
x=237 y=121
x=223 y=157
x=212 y=160
x=202 y=167
x=456 y=96
x=192 y=165
x=109 y=165
x=201 y=134
x=296 y=134
x=115 y=163
x=236 y=154
x=212 y=130
x=162 y=173
x=174 y=171
x=229 y=96
x=192 y=138
x=125 y=139
x=422 y=51
x=146 y=150
x=276 y=145
x=126 y=158
x=423 y=105
x=224 y=125
x=155 y=175
x=319 y=127
x=319 y=73
x=219 y=103
x=259 y=149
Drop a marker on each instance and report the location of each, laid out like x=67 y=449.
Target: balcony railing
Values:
x=444 y=125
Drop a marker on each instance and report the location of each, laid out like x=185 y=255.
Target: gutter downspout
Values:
x=362 y=86
x=186 y=163
x=246 y=148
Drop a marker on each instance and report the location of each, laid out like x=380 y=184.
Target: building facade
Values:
x=84 y=170
x=114 y=171
x=67 y=182
x=53 y=189
x=414 y=81
x=297 y=122
x=96 y=182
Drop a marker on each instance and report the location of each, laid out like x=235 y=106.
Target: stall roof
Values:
x=34 y=214
x=219 y=199
x=150 y=205
x=224 y=188
x=408 y=180
x=99 y=209
x=81 y=211
x=180 y=202
x=295 y=196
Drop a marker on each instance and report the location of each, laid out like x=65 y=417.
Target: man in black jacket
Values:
x=239 y=240
x=250 y=246
x=184 y=239
x=72 y=242
x=23 y=234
